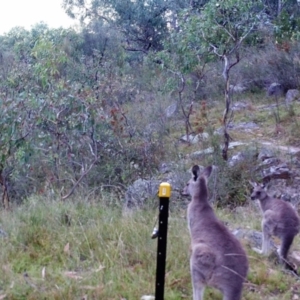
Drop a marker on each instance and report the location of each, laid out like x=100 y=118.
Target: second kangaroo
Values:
x=217 y=257
x=280 y=219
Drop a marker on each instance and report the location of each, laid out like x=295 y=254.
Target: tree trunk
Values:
x=5 y=196
x=279 y=7
x=227 y=109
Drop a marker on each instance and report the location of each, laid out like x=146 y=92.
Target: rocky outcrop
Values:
x=291 y=96
x=254 y=239
x=145 y=191
x=282 y=177
x=238 y=88
x=140 y=192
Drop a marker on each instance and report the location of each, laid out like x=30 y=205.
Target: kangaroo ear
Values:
x=207 y=171
x=195 y=172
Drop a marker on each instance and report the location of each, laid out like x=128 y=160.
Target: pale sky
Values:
x=26 y=13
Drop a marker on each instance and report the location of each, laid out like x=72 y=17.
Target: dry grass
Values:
x=106 y=254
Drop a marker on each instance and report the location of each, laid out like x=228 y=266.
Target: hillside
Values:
x=91 y=249
x=94 y=118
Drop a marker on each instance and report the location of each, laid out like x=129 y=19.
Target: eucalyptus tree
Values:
x=224 y=26
x=287 y=21
x=218 y=31
x=144 y=24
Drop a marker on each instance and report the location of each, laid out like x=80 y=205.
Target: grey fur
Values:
x=217 y=257
x=279 y=219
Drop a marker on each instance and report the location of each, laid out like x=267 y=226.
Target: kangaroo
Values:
x=279 y=219
x=217 y=257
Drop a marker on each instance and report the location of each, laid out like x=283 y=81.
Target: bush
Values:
x=233 y=180
x=272 y=63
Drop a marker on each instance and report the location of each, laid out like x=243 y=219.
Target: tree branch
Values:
x=79 y=180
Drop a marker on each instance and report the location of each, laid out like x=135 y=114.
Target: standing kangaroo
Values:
x=279 y=219
x=217 y=257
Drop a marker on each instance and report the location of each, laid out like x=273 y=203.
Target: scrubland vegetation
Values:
x=86 y=112
x=88 y=250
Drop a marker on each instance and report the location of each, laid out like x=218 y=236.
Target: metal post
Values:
x=164 y=195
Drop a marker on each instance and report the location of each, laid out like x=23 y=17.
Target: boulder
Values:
x=195 y=138
x=140 y=191
x=240 y=105
x=275 y=90
x=238 y=88
x=291 y=96
x=170 y=110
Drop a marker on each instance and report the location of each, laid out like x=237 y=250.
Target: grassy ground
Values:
x=87 y=250
x=78 y=250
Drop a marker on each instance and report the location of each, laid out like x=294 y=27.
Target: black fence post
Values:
x=164 y=195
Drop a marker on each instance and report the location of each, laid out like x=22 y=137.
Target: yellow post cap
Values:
x=164 y=190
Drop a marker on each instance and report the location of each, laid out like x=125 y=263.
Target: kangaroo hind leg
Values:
x=198 y=291
x=286 y=243
x=202 y=264
x=197 y=282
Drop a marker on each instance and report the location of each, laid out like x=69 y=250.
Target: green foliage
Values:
x=271 y=63
x=81 y=100
x=66 y=97
x=16 y=130
x=233 y=180
x=143 y=23
x=76 y=107
x=50 y=60
x=287 y=27
x=223 y=25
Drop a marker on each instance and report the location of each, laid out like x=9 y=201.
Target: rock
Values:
x=140 y=191
x=294 y=259
x=265 y=153
x=170 y=110
x=288 y=149
x=235 y=144
x=292 y=95
x=240 y=106
x=275 y=90
x=277 y=172
x=143 y=191
x=210 y=150
x=195 y=139
x=246 y=155
x=238 y=88
x=270 y=161
x=253 y=237
x=245 y=126
x=199 y=154
x=236 y=159
x=3 y=233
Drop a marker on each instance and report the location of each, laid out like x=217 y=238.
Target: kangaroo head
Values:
x=193 y=186
x=259 y=192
